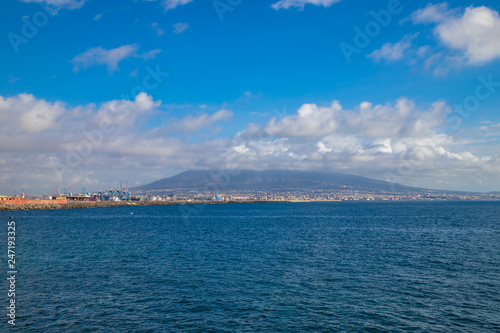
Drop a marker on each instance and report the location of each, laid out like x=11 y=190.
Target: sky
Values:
x=96 y=92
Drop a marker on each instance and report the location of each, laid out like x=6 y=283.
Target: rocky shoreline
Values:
x=95 y=204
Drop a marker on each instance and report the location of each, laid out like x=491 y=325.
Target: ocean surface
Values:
x=289 y=267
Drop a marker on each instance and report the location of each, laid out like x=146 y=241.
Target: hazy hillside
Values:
x=272 y=180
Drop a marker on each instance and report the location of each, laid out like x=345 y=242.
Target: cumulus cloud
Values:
x=310 y=120
x=287 y=4
x=25 y=112
x=472 y=35
x=372 y=140
x=475 y=34
x=98 y=56
x=124 y=113
x=393 y=52
x=400 y=119
x=50 y=143
x=180 y=27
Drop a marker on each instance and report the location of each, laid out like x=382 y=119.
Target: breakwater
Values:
x=94 y=204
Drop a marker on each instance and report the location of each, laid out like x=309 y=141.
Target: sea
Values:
x=259 y=267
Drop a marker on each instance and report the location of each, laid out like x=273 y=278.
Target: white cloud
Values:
x=148 y=55
x=57 y=4
x=369 y=139
x=180 y=27
x=241 y=149
x=172 y=4
x=195 y=123
x=28 y=114
x=310 y=120
x=286 y=4
x=159 y=31
x=471 y=35
x=125 y=113
x=492 y=130
x=476 y=34
x=392 y=52
x=400 y=119
x=423 y=50
x=98 y=56
x=432 y=14
x=322 y=148
x=247 y=97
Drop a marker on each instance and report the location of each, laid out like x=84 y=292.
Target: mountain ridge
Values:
x=271 y=180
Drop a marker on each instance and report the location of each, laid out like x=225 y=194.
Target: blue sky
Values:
x=406 y=91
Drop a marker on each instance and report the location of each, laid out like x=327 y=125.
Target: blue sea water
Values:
x=291 y=267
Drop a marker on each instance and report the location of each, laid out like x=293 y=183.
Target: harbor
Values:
x=67 y=199
x=42 y=204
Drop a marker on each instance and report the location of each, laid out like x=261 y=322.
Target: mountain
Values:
x=270 y=180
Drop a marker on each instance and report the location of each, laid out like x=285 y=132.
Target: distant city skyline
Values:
x=93 y=93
